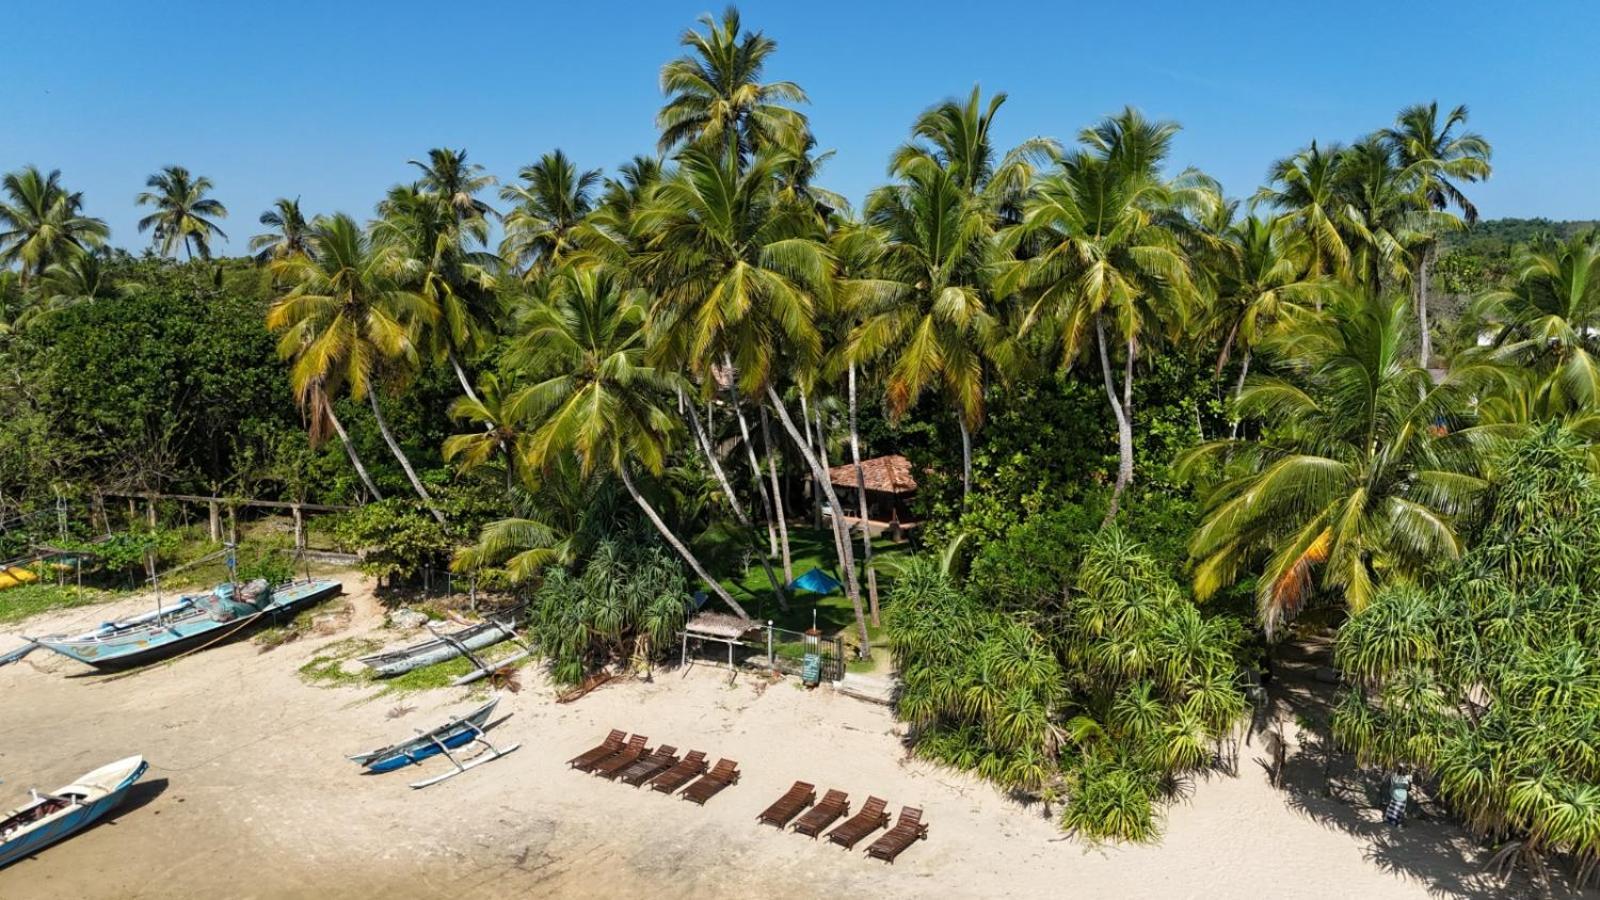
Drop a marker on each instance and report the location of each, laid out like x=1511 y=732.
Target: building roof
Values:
x=889 y=474
x=718 y=625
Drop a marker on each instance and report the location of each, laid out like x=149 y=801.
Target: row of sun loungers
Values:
x=835 y=805
x=627 y=759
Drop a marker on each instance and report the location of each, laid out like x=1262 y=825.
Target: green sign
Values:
x=811 y=673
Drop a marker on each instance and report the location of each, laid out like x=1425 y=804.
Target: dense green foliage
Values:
x=627 y=602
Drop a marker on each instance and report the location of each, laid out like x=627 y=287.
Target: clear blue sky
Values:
x=327 y=101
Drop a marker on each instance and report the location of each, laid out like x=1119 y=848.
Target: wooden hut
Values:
x=890 y=490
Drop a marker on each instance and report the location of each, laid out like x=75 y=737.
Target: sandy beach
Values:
x=249 y=796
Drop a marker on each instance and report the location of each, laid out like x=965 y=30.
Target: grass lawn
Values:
x=19 y=603
x=810 y=547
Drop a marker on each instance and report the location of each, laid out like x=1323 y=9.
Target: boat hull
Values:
x=427 y=653
x=154 y=640
x=65 y=824
x=457 y=733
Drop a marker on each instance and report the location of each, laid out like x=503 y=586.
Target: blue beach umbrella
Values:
x=817 y=582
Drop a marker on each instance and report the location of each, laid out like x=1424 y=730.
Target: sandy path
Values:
x=249 y=796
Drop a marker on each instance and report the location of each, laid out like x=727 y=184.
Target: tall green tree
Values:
x=593 y=394
x=447 y=174
x=289 y=235
x=346 y=324
x=547 y=207
x=715 y=92
x=42 y=222
x=184 y=216
x=1304 y=189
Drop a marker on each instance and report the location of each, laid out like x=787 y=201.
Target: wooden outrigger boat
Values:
x=452 y=735
x=17 y=654
x=442 y=647
x=48 y=818
x=192 y=623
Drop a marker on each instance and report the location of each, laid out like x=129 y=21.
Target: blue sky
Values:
x=327 y=101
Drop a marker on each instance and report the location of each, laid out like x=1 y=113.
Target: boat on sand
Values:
x=48 y=818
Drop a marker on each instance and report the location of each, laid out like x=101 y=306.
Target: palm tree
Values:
x=183 y=213
x=41 y=222
x=75 y=280
x=1366 y=466
x=715 y=93
x=344 y=321
x=552 y=201
x=1104 y=232
x=1441 y=156
x=431 y=251
x=289 y=237
x=956 y=135
x=930 y=311
x=448 y=175
x=1550 y=324
x=498 y=441
x=1305 y=190
x=596 y=396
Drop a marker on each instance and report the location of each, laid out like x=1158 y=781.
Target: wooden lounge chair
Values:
x=680 y=774
x=785 y=808
x=907 y=831
x=586 y=760
x=834 y=804
x=872 y=816
x=612 y=765
x=650 y=766
x=724 y=773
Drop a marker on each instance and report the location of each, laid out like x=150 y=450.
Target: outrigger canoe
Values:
x=48 y=818
x=191 y=623
x=441 y=648
x=452 y=735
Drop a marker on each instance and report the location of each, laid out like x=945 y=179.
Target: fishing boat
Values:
x=452 y=735
x=17 y=654
x=193 y=622
x=441 y=647
x=48 y=818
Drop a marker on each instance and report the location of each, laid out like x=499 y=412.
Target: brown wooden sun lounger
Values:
x=586 y=760
x=615 y=763
x=785 y=808
x=907 y=831
x=725 y=772
x=834 y=804
x=873 y=816
x=650 y=766
x=680 y=774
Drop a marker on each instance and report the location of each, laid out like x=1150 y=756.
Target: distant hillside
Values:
x=1492 y=236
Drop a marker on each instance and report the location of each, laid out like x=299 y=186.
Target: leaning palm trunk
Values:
x=777 y=500
x=394 y=447
x=816 y=489
x=755 y=464
x=672 y=539
x=461 y=374
x=966 y=456
x=1123 y=411
x=840 y=537
x=846 y=561
x=704 y=443
x=350 y=450
x=861 y=494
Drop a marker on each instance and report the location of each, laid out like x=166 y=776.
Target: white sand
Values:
x=249 y=796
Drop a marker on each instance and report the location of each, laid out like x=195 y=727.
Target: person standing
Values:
x=1399 y=796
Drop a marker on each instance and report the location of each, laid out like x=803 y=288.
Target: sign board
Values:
x=811 y=672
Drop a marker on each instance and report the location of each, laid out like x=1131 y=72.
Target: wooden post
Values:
x=299 y=528
x=872 y=593
x=233 y=525
x=150 y=509
x=215 y=514
x=769 y=643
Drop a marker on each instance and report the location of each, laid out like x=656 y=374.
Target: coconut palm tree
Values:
x=1107 y=261
x=79 y=278
x=184 y=214
x=447 y=174
x=496 y=445
x=289 y=234
x=346 y=323
x=715 y=93
x=592 y=393
x=1304 y=189
x=547 y=207
x=957 y=135
x=41 y=222
x=1362 y=475
x=1443 y=158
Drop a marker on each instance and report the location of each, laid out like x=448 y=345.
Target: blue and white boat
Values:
x=452 y=735
x=193 y=622
x=48 y=818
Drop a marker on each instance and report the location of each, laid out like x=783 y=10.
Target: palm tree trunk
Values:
x=1238 y=390
x=461 y=374
x=394 y=447
x=861 y=494
x=704 y=443
x=755 y=464
x=841 y=537
x=1119 y=409
x=672 y=539
x=847 y=560
x=1422 y=305
x=777 y=500
x=816 y=489
x=966 y=457
x=350 y=450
